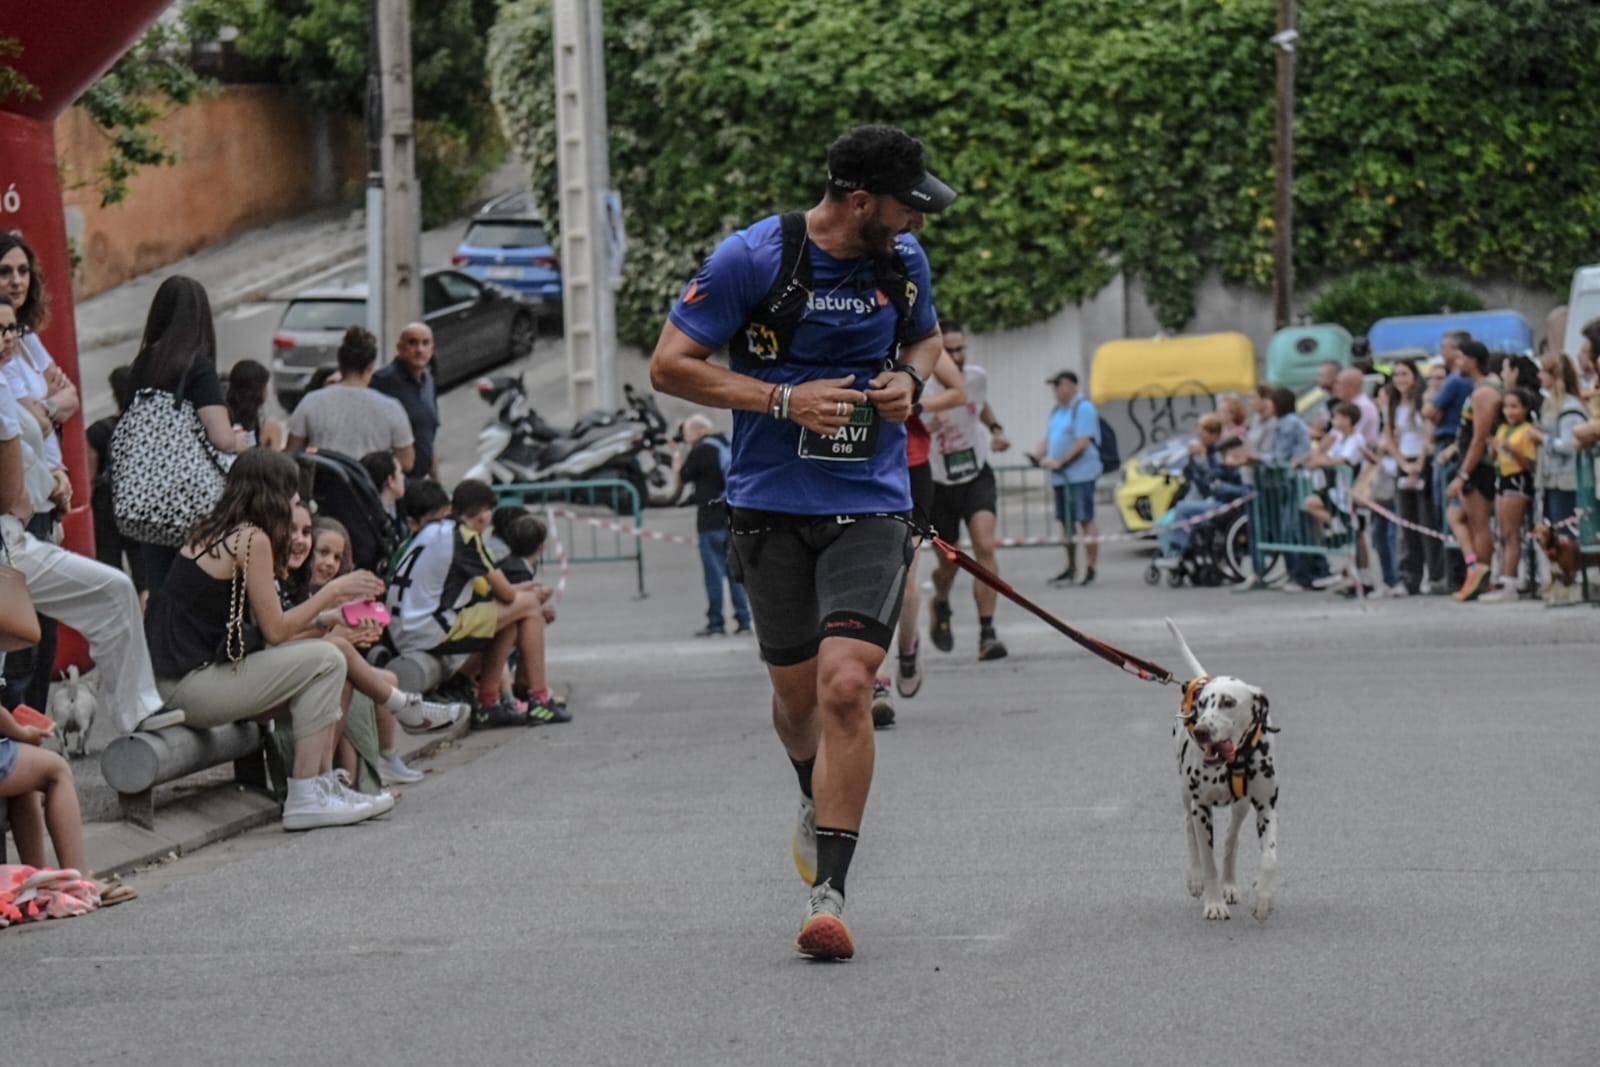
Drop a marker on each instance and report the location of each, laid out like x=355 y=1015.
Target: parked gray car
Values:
x=475 y=326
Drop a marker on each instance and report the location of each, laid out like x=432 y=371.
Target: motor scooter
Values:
x=517 y=446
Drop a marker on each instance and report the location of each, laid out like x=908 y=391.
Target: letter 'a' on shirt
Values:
x=847 y=328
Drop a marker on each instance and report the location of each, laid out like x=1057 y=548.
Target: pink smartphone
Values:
x=357 y=613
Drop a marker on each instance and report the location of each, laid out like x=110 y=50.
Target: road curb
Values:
x=216 y=814
x=257 y=289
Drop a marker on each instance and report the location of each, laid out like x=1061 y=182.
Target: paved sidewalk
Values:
x=250 y=266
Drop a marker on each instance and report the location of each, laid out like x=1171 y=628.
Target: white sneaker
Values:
x=338 y=781
x=392 y=770
x=418 y=716
x=1330 y=581
x=312 y=805
x=1501 y=595
x=1398 y=589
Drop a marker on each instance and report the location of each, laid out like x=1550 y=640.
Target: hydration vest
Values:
x=768 y=334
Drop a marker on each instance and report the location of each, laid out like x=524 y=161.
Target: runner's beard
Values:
x=876 y=238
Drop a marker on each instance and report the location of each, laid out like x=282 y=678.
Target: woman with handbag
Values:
x=173 y=445
x=225 y=649
x=97 y=601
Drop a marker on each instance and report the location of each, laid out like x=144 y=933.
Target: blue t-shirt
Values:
x=1449 y=400
x=1067 y=424
x=847 y=329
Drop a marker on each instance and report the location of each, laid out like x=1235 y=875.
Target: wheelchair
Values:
x=1218 y=553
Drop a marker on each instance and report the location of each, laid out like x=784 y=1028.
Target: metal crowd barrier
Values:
x=593 y=544
x=1026 y=508
x=1278 y=520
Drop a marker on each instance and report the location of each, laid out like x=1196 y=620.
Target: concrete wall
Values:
x=247 y=156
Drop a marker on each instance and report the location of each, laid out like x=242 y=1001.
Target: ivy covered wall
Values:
x=1088 y=137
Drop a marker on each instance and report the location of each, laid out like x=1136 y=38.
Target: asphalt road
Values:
x=618 y=891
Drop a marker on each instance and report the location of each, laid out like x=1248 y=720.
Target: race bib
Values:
x=854 y=442
x=961 y=465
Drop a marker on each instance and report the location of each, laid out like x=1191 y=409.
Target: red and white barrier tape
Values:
x=1428 y=531
x=624 y=528
x=563 y=565
x=1000 y=542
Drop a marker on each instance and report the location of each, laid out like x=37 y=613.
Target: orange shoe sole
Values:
x=825 y=937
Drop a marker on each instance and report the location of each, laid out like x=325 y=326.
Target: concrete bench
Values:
x=417 y=672
x=164 y=750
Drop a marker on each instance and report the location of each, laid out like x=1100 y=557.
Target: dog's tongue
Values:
x=1225 y=751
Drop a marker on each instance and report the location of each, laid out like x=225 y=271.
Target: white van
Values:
x=1583 y=306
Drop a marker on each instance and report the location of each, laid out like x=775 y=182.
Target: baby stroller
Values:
x=343 y=490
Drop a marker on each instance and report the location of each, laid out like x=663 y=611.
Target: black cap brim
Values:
x=928 y=195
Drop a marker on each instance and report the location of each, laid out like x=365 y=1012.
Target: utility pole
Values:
x=374 y=175
x=394 y=270
x=583 y=158
x=1283 y=200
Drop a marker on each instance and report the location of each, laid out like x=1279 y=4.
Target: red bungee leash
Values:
x=1140 y=668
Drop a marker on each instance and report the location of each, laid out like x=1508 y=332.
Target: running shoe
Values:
x=1477 y=578
x=991 y=647
x=882 y=706
x=503 y=713
x=417 y=716
x=548 y=710
x=392 y=770
x=1088 y=576
x=804 y=844
x=1504 y=594
x=943 y=639
x=824 y=936
x=1066 y=577
x=908 y=679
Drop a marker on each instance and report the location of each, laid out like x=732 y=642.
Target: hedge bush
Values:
x=1361 y=298
x=1088 y=137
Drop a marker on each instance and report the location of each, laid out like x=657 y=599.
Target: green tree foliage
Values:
x=319 y=47
x=1088 y=137
x=13 y=86
x=149 y=80
x=1360 y=298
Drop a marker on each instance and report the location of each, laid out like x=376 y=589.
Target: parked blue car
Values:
x=506 y=244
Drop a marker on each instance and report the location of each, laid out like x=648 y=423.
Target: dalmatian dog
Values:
x=1225 y=760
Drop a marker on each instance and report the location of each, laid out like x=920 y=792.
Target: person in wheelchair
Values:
x=1212 y=478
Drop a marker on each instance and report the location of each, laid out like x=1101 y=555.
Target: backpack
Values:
x=1105 y=442
x=767 y=334
x=1110 y=454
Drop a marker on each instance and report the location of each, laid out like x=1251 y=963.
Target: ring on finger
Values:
x=839 y=407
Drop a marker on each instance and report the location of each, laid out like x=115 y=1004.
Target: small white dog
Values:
x=1224 y=756
x=73 y=703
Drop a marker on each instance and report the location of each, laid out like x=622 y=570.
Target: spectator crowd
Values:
x=253 y=606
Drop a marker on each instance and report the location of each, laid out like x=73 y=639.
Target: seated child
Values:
x=517 y=546
x=1341 y=446
x=26 y=772
x=447 y=599
x=321 y=552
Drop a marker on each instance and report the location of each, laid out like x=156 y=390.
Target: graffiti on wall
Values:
x=1160 y=413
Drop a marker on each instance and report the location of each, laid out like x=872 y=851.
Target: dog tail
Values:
x=1195 y=670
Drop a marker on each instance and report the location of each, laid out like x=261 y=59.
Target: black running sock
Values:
x=986 y=625
x=803 y=771
x=835 y=848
